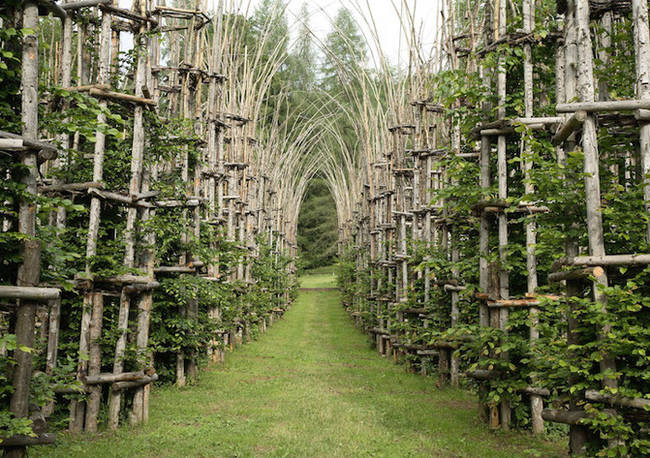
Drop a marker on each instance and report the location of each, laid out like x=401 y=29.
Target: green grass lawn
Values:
x=322 y=277
x=312 y=386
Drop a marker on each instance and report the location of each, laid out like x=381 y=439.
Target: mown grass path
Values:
x=311 y=387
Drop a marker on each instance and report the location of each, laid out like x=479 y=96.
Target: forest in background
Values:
x=312 y=81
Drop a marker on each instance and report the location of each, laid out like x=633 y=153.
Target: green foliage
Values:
x=346 y=51
x=10 y=425
x=317 y=226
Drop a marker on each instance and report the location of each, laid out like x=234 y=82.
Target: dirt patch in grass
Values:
x=264 y=449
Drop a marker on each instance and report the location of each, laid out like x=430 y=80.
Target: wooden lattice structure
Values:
x=220 y=187
x=411 y=245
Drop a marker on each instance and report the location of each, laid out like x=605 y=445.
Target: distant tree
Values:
x=318 y=226
x=346 y=51
x=303 y=56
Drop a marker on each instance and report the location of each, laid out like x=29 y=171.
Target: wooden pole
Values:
x=94 y=361
x=484 y=228
x=140 y=407
x=118 y=363
x=29 y=271
x=52 y=346
x=92 y=304
x=135 y=185
x=591 y=169
x=642 y=54
x=567 y=90
x=536 y=404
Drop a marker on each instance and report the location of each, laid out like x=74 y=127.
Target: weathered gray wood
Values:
x=642 y=55
x=604 y=42
x=567 y=91
x=31 y=140
x=100 y=137
x=502 y=175
x=137 y=149
x=98 y=379
x=65 y=80
x=569 y=417
x=573 y=123
x=609 y=260
x=146 y=380
x=484 y=228
x=53 y=335
x=591 y=163
x=533 y=391
x=83 y=4
x=127 y=14
x=24 y=441
x=140 y=409
x=24 y=331
x=140 y=288
x=599 y=107
x=575 y=274
x=178 y=203
x=129 y=200
x=53 y=8
x=52 y=346
x=509 y=130
x=91 y=320
x=483 y=374
x=536 y=404
x=175 y=269
x=11 y=144
x=115 y=399
x=77 y=408
x=634 y=403
x=29 y=293
x=64 y=187
x=94 y=361
x=29 y=271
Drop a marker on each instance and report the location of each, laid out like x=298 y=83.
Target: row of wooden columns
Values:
x=227 y=188
x=399 y=194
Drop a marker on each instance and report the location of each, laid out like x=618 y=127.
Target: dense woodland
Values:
x=487 y=203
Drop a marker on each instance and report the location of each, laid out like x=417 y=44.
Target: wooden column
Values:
x=642 y=54
x=591 y=168
x=536 y=404
x=29 y=271
x=92 y=304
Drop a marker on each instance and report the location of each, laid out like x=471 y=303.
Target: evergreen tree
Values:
x=346 y=51
x=303 y=57
x=317 y=226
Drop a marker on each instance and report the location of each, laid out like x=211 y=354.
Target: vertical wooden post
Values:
x=591 y=169
x=115 y=397
x=484 y=229
x=502 y=173
x=90 y=302
x=94 y=361
x=29 y=271
x=65 y=81
x=536 y=404
x=566 y=90
x=642 y=54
